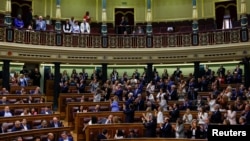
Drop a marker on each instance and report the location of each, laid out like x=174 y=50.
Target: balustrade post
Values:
x=8 y=22
x=6 y=74
x=149 y=38
x=244 y=22
x=57 y=78
x=195 y=25
x=104 y=29
x=58 y=24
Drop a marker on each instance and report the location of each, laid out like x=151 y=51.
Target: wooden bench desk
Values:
x=13 y=97
x=92 y=131
x=65 y=98
x=13 y=89
x=33 y=121
x=37 y=106
x=34 y=133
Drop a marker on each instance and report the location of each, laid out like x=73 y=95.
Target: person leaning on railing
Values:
x=19 y=24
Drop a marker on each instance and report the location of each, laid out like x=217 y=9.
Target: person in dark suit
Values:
x=104 y=135
x=216 y=115
x=192 y=94
x=172 y=94
x=194 y=130
x=24 y=125
x=129 y=113
x=6 y=112
x=246 y=113
x=4 y=127
x=50 y=137
x=55 y=123
x=65 y=136
x=166 y=129
x=174 y=113
x=17 y=126
x=4 y=101
x=150 y=124
x=46 y=111
x=81 y=86
x=108 y=120
x=139 y=103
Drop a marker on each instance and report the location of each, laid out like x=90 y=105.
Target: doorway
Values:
x=221 y=8
x=128 y=13
x=21 y=7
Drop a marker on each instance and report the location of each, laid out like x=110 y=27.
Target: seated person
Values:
x=25 y=125
x=25 y=112
x=46 y=111
x=17 y=126
x=18 y=22
x=44 y=124
x=65 y=137
x=4 y=127
x=132 y=134
x=6 y=112
x=50 y=137
x=36 y=91
x=40 y=24
x=56 y=123
x=4 y=91
x=119 y=134
x=104 y=135
x=19 y=101
x=4 y=101
x=22 y=91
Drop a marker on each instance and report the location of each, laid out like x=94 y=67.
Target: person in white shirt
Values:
x=6 y=112
x=24 y=125
x=85 y=27
x=202 y=115
x=76 y=27
x=97 y=96
x=231 y=114
x=119 y=134
x=159 y=115
x=187 y=117
x=161 y=99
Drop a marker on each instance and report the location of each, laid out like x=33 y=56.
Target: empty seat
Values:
x=18 y=111
x=104 y=108
x=91 y=108
x=36 y=122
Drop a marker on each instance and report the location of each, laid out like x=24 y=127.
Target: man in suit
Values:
x=246 y=113
x=40 y=24
x=65 y=137
x=17 y=127
x=129 y=113
x=46 y=111
x=108 y=120
x=139 y=103
x=216 y=115
x=50 y=137
x=104 y=135
x=150 y=124
x=174 y=113
x=192 y=94
x=55 y=123
x=24 y=125
x=6 y=112
x=4 y=128
x=85 y=27
x=166 y=128
x=4 y=101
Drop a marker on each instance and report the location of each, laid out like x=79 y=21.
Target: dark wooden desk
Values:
x=33 y=133
x=37 y=106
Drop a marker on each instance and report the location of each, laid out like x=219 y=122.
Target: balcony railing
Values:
x=161 y=40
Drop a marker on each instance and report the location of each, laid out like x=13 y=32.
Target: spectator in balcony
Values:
x=19 y=22
x=48 y=20
x=40 y=24
x=85 y=27
x=29 y=18
x=67 y=28
x=227 y=21
x=6 y=112
x=123 y=24
x=87 y=17
x=139 y=30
